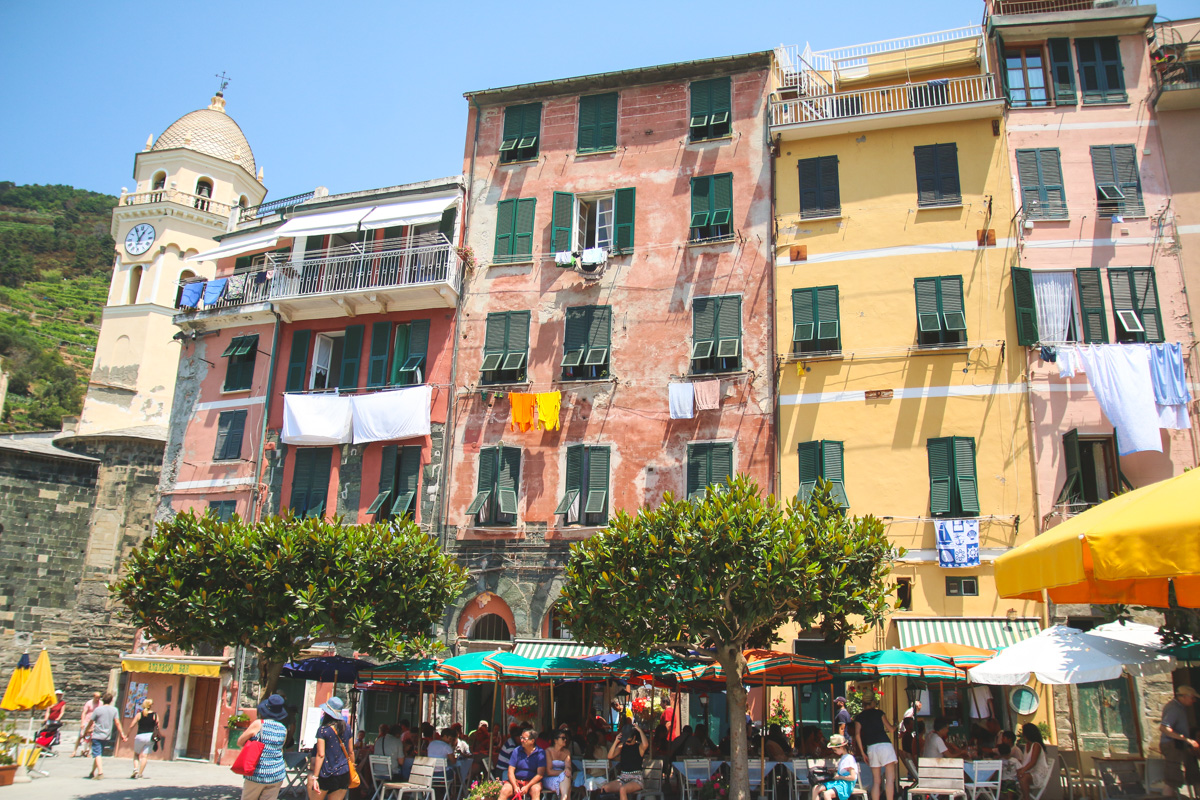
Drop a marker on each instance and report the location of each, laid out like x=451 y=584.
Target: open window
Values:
x=409 y=353
x=962 y=586
x=204 y=191
x=601 y=220
x=1093 y=471
x=327 y=361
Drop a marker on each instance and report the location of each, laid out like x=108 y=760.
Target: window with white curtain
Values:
x=1057 y=307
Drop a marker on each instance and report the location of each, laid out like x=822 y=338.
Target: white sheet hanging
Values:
x=316 y=419
x=392 y=415
x=681 y=398
x=1055 y=296
x=1119 y=375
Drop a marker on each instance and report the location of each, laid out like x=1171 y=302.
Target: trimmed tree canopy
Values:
x=726 y=573
x=284 y=583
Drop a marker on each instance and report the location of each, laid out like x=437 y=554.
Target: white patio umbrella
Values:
x=1060 y=655
x=1132 y=632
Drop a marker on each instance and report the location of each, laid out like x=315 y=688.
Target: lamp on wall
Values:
x=704 y=705
x=913 y=691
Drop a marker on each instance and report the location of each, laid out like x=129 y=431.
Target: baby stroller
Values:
x=47 y=737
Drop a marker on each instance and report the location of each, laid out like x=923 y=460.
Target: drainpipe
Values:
x=776 y=366
x=262 y=434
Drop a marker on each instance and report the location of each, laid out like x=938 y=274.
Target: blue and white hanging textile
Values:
x=957 y=542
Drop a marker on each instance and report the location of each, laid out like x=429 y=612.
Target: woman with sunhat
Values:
x=330 y=775
x=840 y=787
x=269 y=729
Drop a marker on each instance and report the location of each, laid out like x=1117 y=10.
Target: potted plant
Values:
x=239 y=721
x=9 y=742
x=715 y=788
x=522 y=706
x=484 y=790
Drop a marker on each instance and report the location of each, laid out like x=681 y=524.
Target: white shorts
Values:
x=143 y=743
x=880 y=755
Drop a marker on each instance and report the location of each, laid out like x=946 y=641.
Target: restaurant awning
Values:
x=409 y=212
x=238 y=245
x=199 y=666
x=540 y=648
x=992 y=633
x=346 y=219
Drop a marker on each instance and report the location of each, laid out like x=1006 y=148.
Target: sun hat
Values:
x=58 y=691
x=1186 y=691
x=841 y=700
x=333 y=707
x=837 y=740
x=272 y=708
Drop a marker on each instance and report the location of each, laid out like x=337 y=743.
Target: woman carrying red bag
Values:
x=268 y=730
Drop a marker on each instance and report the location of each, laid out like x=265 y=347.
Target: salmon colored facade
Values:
x=655 y=272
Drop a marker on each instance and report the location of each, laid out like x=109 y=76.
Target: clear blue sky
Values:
x=355 y=95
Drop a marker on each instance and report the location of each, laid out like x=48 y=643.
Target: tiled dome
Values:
x=211 y=131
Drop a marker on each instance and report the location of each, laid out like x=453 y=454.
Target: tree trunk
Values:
x=268 y=675
x=733 y=662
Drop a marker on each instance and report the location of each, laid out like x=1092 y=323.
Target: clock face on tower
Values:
x=139 y=239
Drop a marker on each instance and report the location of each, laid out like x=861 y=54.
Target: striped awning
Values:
x=993 y=633
x=541 y=648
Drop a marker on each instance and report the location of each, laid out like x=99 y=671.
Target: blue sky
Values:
x=354 y=95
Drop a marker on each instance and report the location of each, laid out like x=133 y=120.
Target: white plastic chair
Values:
x=694 y=769
x=939 y=777
x=986 y=781
x=420 y=784
x=381 y=773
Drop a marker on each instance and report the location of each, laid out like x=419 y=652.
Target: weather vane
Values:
x=224 y=80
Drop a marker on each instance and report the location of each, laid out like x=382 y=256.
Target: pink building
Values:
x=1095 y=262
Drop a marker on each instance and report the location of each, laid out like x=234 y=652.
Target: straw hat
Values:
x=837 y=740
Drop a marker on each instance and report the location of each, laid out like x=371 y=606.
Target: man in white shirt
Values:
x=391 y=746
x=936 y=745
x=441 y=747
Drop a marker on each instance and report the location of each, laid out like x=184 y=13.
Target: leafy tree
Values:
x=725 y=573
x=286 y=582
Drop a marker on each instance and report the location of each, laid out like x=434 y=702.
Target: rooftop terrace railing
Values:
x=907 y=97
x=1052 y=6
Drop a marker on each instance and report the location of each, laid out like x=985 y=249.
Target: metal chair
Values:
x=1072 y=779
x=694 y=769
x=939 y=777
x=986 y=780
x=596 y=772
x=296 y=765
x=443 y=774
x=381 y=772
x=799 y=776
x=652 y=780
x=419 y=783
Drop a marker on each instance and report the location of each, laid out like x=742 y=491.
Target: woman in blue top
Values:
x=838 y=788
x=330 y=776
x=269 y=729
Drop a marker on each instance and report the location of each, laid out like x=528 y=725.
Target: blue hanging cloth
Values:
x=214 y=290
x=190 y=297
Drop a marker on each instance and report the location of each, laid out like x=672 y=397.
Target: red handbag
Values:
x=247 y=760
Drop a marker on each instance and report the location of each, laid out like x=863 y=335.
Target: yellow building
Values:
x=897 y=376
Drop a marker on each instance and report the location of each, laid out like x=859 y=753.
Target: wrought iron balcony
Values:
x=335 y=274
x=179 y=198
x=283 y=204
x=909 y=97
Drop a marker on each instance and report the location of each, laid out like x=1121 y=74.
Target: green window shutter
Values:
x=1126 y=169
x=1100 y=70
x=523 y=229
x=831 y=193
x=522 y=127
x=381 y=507
x=1089 y=70
x=234 y=344
x=1031 y=188
x=699 y=456
x=516 y=346
x=231 y=426
x=928 y=318
x=804 y=318
x=704 y=327
x=597 y=123
x=729 y=326
x=494 y=340
x=399 y=353
x=820 y=195
x=624 y=212
x=1091 y=305
x=310 y=480
x=418 y=342
x=1062 y=73
x=485 y=486
x=721 y=463
x=599 y=335
x=1145 y=298
x=947 y=172
x=351 y=357
x=223 y=422
x=937 y=174
x=377 y=362
x=809 y=456
x=701 y=204
x=573 y=483
x=941 y=462
x=829 y=333
x=562 y=212
x=1105 y=172
x=302 y=468
x=964 y=474
x=1109 y=55
x=297 y=361
x=1025 y=305
x=1120 y=285
x=322 y=457
x=721 y=106
x=514 y=118
x=950 y=295
x=506 y=212
x=588 y=114
x=701 y=109
x=239 y=369
x=1054 y=195
x=508 y=480
x=925 y=157
x=1072 y=491
x=531 y=128
x=446 y=224
x=833 y=470
x=597 y=481
x=722 y=199
x=575 y=335
x=407 y=479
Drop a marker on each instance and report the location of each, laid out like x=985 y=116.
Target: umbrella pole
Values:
x=420 y=713
x=1071 y=713
x=1137 y=722
x=492 y=736
x=762 y=735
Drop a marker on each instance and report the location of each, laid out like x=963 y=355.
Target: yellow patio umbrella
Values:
x=15 y=682
x=38 y=691
x=1125 y=550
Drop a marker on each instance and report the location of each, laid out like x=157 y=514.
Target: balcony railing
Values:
x=1052 y=6
x=391 y=263
x=274 y=207
x=179 y=198
x=1178 y=76
x=908 y=97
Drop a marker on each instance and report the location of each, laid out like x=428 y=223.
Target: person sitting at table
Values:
x=506 y=750
x=629 y=751
x=442 y=746
x=778 y=748
x=595 y=747
x=872 y=733
x=480 y=738
x=558 y=764
x=392 y=746
x=1009 y=738
x=526 y=770
x=659 y=741
x=936 y=745
x=812 y=742
x=1009 y=763
x=840 y=787
x=1035 y=769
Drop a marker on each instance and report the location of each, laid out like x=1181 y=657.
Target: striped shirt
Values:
x=271 y=768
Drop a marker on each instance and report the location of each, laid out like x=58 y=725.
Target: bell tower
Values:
x=191 y=184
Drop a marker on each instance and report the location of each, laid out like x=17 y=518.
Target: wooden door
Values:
x=1104 y=714
x=204 y=715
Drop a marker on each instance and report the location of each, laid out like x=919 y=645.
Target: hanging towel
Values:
x=708 y=395
x=213 y=291
x=1119 y=375
x=316 y=419
x=548 y=405
x=524 y=407
x=392 y=415
x=1167 y=371
x=1069 y=362
x=190 y=298
x=1173 y=417
x=682 y=399
x=595 y=255
x=237 y=286
x=565 y=259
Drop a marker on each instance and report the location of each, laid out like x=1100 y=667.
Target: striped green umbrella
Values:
x=468 y=668
x=1184 y=652
x=577 y=669
x=768 y=668
x=407 y=670
x=665 y=668
x=888 y=663
x=513 y=668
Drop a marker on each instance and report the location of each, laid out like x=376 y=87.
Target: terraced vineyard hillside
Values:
x=55 y=260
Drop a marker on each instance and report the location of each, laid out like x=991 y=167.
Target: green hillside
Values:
x=55 y=261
